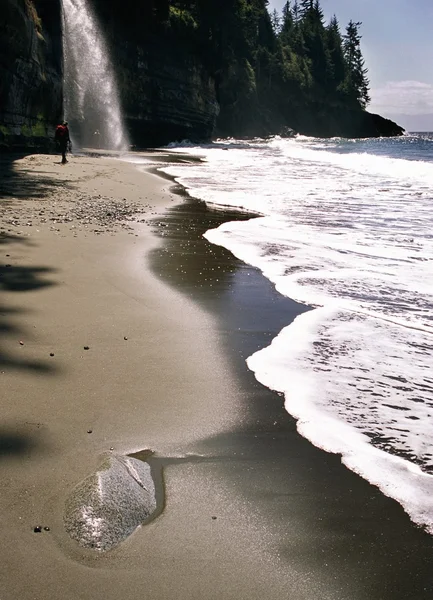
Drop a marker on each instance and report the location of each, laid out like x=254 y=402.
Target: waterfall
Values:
x=91 y=98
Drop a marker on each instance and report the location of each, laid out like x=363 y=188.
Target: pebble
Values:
x=37 y=529
x=90 y=431
x=125 y=338
x=51 y=353
x=46 y=529
x=21 y=343
x=86 y=348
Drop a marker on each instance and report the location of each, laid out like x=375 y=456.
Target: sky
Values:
x=397 y=44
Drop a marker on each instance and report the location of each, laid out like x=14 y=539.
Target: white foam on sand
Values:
x=308 y=397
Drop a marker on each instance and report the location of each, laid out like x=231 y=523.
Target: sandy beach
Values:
x=124 y=330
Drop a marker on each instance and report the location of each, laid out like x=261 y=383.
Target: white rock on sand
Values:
x=108 y=505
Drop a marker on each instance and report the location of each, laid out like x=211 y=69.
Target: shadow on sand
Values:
x=18 y=279
x=24 y=183
x=16 y=443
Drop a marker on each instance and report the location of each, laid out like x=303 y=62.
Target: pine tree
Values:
x=356 y=83
x=338 y=68
x=314 y=35
x=276 y=21
x=295 y=12
x=305 y=8
x=286 y=31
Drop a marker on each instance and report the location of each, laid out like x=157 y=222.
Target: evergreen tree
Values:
x=276 y=21
x=286 y=31
x=356 y=83
x=305 y=8
x=295 y=12
x=314 y=37
x=338 y=68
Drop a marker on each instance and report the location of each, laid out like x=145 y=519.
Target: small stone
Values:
x=46 y=529
x=51 y=353
x=125 y=338
x=214 y=518
x=21 y=343
x=37 y=529
x=86 y=348
x=111 y=449
x=90 y=431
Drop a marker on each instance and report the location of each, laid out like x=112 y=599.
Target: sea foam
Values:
x=345 y=227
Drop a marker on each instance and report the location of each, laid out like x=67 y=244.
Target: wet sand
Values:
x=342 y=535
x=250 y=509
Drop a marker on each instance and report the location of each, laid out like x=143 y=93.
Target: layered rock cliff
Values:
x=30 y=73
x=166 y=92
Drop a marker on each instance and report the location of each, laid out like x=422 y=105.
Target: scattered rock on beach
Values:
x=107 y=506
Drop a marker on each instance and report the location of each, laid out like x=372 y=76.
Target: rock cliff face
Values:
x=30 y=73
x=165 y=90
x=166 y=93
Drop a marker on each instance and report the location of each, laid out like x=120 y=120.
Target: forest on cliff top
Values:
x=268 y=68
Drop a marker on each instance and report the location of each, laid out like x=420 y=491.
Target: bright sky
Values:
x=397 y=44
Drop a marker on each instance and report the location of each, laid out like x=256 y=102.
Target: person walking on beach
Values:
x=63 y=140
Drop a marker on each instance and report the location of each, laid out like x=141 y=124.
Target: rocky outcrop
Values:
x=316 y=120
x=30 y=73
x=341 y=122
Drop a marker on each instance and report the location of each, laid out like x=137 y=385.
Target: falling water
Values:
x=92 y=104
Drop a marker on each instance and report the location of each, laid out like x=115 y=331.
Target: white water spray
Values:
x=92 y=104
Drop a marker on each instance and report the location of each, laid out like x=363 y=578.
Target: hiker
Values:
x=97 y=139
x=62 y=140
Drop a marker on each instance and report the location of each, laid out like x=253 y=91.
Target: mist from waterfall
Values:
x=91 y=98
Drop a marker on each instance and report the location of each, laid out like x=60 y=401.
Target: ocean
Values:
x=345 y=227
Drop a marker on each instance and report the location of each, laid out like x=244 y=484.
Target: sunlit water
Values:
x=346 y=227
x=92 y=104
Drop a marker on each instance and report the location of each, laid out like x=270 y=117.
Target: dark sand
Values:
x=342 y=535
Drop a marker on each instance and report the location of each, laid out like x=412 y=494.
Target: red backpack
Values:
x=61 y=132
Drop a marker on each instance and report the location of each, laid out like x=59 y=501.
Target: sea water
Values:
x=346 y=227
